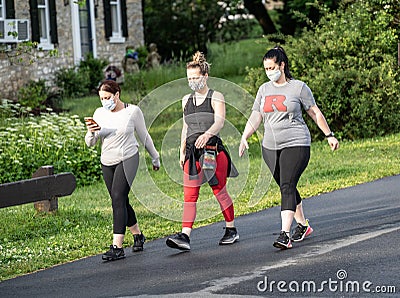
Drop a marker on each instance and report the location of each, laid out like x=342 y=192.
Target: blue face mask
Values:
x=109 y=104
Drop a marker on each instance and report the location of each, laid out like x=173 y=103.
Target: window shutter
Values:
x=10 y=9
x=124 y=20
x=53 y=22
x=34 y=20
x=107 y=19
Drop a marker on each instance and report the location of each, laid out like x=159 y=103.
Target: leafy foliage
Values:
x=350 y=63
x=30 y=142
x=71 y=82
x=25 y=53
x=36 y=97
x=93 y=69
x=81 y=80
x=295 y=15
x=179 y=28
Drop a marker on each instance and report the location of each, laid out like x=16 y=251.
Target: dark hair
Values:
x=110 y=86
x=278 y=53
x=199 y=61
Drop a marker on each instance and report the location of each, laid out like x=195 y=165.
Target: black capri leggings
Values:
x=118 y=179
x=286 y=166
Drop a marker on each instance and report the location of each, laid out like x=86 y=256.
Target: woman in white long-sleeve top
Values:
x=115 y=124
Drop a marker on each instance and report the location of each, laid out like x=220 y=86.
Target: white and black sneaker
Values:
x=283 y=241
x=179 y=241
x=300 y=232
x=230 y=237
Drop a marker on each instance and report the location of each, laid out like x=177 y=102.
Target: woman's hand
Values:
x=91 y=125
x=156 y=164
x=182 y=159
x=333 y=143
x=202 y=140
x=243 y=146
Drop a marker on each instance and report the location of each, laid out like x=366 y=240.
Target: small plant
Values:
x=34 y=96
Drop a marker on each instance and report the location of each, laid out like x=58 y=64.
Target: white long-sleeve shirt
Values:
x=117 y=134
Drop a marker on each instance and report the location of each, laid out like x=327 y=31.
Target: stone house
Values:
x=72 y=27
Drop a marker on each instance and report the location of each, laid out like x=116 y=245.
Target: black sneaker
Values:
x=138 y=241
x=283 y=241
x=179 y=241
x=230 y=237
x=300 y=232
x=114 y=253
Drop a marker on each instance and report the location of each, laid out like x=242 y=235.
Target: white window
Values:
x=44 y=25
x=2 y=13
x=116 y=22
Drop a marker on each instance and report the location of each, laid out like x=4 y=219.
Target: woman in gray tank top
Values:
x=286 y=141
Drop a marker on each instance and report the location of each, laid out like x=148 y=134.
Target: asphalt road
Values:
x=354 y=251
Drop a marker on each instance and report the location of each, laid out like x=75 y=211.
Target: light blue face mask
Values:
x=109 y=104
x=273 y=75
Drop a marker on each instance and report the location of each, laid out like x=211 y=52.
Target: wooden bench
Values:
x=44 y=189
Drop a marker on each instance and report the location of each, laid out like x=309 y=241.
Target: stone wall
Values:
x=16 y=74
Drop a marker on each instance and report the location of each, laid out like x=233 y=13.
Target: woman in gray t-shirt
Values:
x=286 y=142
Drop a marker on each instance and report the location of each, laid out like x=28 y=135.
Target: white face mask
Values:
x=196 y=86
x=273 y=75
x=109 y=104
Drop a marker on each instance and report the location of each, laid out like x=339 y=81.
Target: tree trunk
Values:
x=257 y=8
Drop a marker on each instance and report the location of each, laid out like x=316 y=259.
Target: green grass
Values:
x=82 y=226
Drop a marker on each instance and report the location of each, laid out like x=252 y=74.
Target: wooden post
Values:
x=46 y=205
x=398 y=53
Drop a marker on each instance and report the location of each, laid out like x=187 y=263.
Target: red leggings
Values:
x=191 y=189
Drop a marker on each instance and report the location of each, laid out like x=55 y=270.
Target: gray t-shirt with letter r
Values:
x=281 y=108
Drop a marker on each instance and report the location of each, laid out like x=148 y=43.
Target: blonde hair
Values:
x=199 y=60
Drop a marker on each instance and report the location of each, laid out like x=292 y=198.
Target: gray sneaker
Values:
x=230 y=237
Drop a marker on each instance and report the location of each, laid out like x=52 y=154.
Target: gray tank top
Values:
x=198 y=118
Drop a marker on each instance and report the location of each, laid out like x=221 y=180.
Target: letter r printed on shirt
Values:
x=276 y=101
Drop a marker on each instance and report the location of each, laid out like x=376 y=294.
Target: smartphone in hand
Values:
x=91 y=124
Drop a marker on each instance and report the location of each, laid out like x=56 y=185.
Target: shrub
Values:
x=92 y=68
x=28 y=143
x=72 y=82
x=33 y=96
x=350 y=63
x=142 y=53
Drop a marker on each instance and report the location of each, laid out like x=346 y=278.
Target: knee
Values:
x=288 y=190
x=118 y=199
x=288 y=193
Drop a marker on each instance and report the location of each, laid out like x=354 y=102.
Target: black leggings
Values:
x=286 y=166
x=118 y=179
